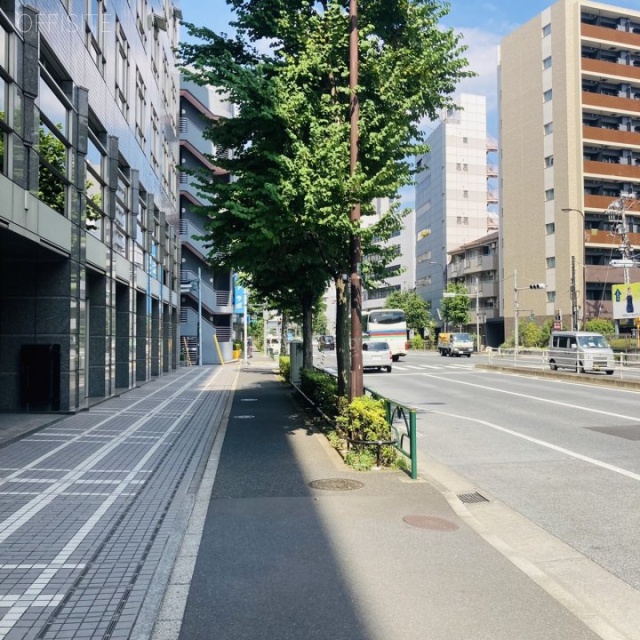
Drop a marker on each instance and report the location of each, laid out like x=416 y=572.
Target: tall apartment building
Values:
x=569 y=84
x=89 y=251
x=206 y=294
x=454 y=194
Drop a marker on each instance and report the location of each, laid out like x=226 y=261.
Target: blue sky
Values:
x=482 y=24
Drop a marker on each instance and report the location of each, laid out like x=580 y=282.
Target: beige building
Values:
x=569 y=94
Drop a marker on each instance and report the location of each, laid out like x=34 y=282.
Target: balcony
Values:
x=603 y=69
x=604 y=34
x=610 y=103
x=614 y=137
x=617 y=170
x=607 y=239
x=188 y=233
x=213 y=301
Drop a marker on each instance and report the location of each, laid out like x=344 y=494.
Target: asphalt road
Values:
x=566 y=456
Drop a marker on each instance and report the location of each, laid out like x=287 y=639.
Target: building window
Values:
x=551 y=263
x=548 y=161
x=546 y=30
x=465 y=194
x=550 y=228
x=548 y=195
x=123 y=211
x=96 y=182
x=155 y=139
x=547 y=95
x=548 y=128
x=6 y=119
x=95 y=27
x=122 y=70
x=141 y=101
x=546 y=63
x=139 y=230
x=53 y=147
x=465 y=140
x=141 y=17
x=551 y=296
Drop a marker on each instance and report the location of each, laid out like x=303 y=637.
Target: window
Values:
x=5 y=103
x=548 y=128
x=551 y=296
x=546 y=30
x=95 y=31
x=155 y=139
x=550 y=228
x=139 y=229
x=141 y=17
x=547 y=95
x=548 y=195
x=465 y=194
x=96 y=186
x=546 y=63
x=465 y=140
x=53 y=145
x=141 y=101
x=551 y=263
x=548 y=161
x=123 y=210
x=122 y=70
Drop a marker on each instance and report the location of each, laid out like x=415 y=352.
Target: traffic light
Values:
x=538 y=285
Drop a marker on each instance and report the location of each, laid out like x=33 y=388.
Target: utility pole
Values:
x=574 y=295
x=356 y=388
x=516 y=310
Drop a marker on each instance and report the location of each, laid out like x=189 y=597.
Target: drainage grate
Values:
x=336 y=484
x=468 y=498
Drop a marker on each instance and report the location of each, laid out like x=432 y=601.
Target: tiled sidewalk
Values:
x=89 y=506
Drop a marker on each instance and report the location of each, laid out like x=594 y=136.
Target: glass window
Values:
x=546 y=30
x=96 y=190
x=548 y=161
x=548 y=95
x=549 y=195
x=548 y=128
x=122 y=70
x=550 y=228
x=551 y=263
x=546 y=63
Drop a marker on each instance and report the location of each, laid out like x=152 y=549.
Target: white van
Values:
x=582 y=351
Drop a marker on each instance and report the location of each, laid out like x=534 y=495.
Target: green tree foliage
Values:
x=293 y=191
x=53 y=164
x=456 y=309
x=415 y=308
x=599 y=325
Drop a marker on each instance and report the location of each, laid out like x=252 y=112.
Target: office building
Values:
x=206 y=308
x=455 y=196
x=569 y=83
x=89 y=252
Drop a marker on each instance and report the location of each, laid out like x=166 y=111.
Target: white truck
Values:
x=455 y=344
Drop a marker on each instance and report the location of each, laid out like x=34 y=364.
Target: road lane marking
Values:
x=538 y=398
x=548 y=445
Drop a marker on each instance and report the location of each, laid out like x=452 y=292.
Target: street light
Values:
x=574 y=297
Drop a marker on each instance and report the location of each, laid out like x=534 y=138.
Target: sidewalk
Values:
x=287 y=543
x=202 y=506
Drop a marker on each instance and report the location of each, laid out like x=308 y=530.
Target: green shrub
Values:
x=322 y=389
x=285 y=367
x=417 y=342
x=361 y=459
x=599 y=325
x=364 y=420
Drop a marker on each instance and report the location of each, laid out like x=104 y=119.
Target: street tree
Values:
x=290 y=139
x=414 y=306
x=456 y=309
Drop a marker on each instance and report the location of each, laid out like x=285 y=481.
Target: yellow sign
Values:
x=626 y=300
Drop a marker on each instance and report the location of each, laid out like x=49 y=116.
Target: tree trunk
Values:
x=284 y=335
x=343 y=337
x=307 y=330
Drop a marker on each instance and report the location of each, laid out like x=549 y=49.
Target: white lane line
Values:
x=547 y=445
x=538 y=398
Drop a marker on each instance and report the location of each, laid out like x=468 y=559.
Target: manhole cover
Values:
x=336 y=484
x=430 y=522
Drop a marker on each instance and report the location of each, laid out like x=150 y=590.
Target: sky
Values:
x=482 y=25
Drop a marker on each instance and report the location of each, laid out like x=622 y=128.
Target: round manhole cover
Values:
x=336 y=484
x=430 y=522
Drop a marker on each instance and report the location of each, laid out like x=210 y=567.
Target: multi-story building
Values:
x=206 y=294
x=89 y=253
x=401 y=272
x=475 y=265
x=454 y=195
x=569 y=83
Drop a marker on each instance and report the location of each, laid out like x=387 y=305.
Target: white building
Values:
x=454 y=193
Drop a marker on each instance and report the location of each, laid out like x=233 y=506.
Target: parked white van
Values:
x=581 y=351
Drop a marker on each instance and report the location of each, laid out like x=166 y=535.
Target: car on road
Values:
x=326 y=343
x=377 y=355
x=582 y=351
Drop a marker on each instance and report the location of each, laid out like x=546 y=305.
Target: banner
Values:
x=626 y=300
x=239 y=299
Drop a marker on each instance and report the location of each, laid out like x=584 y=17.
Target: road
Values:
x=564 y=455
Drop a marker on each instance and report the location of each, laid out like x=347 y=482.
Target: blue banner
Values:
x=239 y=299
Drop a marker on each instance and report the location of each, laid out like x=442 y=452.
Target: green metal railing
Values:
x=402 y=421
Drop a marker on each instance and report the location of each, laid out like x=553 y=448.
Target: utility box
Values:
x=296 y=358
